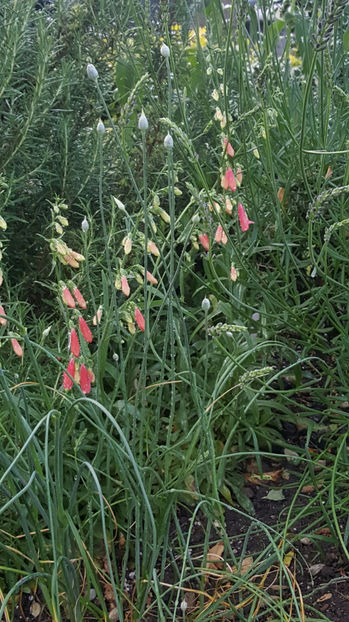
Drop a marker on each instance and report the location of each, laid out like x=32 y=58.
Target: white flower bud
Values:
x=143 y=122
x=184 y=605
x=46 y=331
x=115 y=357
x=195 y=219
x=168 y=141
x=205 y=305
x=92 y=72
x=100 y=127
x=255 y=317
x=165 y=51
x=84 y=225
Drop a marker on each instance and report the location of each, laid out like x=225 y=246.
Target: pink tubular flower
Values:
x=68 y=298
x=204 y=239
x=74 y=343
x=151 y=278
x=85 y=331
x=230 y=150
x=125 y=288
x=233 y=273
x=3 y=320
x=152 y=248
x=139 y=319
x=67 y=382
x=220 y=236
x=85 y=381
x=16 y=347
x=243 y=218
x=228 y=180
x=79 y=298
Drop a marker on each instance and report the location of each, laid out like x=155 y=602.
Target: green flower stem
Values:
x=304 y=112
x=110 y=275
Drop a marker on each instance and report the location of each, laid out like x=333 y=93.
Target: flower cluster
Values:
x=230 y=182
x=72 y=297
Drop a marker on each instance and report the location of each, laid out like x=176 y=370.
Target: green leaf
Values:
x=274 y=30
x=346 y=41
x=275 y=494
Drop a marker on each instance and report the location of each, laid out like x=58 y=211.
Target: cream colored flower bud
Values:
x=84 y=225
x=205 y=305
x=143 y=122
x=165 y=51
x=168 y=142
x=100 y=127
x=92 y=72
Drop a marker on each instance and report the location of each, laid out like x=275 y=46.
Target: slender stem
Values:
x=304 y=111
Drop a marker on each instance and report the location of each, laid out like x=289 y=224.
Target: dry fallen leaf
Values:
x=35 y=609
x=214 y=556
x=288 y=558
x=269 y=476
x=324 y=531
x=114 y=615
x=324 y=597
x=245 y=565
x=315 y=569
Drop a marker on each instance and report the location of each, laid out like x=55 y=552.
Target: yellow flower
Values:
x=294 y=60
x=202 y=37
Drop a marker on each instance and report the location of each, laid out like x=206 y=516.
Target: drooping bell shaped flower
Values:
x=74 y=343
x=139 y=319
x=204 y=239
x=67 y=382
x=243 y=218
x=85 y=331
x=228 y=180
x=85 y=380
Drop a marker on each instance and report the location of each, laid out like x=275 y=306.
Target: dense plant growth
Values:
x=173 y=294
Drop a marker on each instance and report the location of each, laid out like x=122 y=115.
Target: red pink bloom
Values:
x=243 y=218
x=85 y=331
x=79 y=298
x=139 y=319
x=3 y=320
x=67 y=382
x=125 y=288
x=85 y=380
x=230 y=150
x=204 y=239
x=228 y=180
x=16 y=347
x=220 y=236
x=74 y=343
x=151 y=279
x=68 y=298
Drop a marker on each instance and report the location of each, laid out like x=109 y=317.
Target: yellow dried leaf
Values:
x=246 y=564
x=288 y=558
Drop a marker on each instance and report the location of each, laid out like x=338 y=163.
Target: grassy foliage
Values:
x=240 y=327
